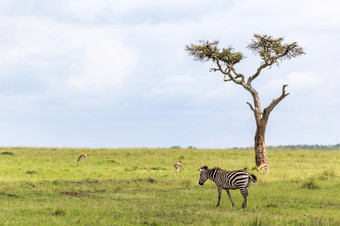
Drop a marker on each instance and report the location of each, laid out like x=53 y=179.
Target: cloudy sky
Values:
x=107 y=73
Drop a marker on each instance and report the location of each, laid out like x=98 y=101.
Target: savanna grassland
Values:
x=46 y=186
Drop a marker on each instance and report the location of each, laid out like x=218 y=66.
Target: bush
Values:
x=59 y=212
x=310 y=184
x=327 y=174
x=7 y=153
x=31 y=172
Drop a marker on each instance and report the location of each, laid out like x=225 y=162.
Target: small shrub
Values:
x=59 y=212
x=256 y=222
x=57 y=182
x=7 y=153
x=310 y=184
x=327 y=174
x=90 y=181
x=295 y=180
x=113 y=161
x=151 y=223
x=158 y=168
x=8 y=194
x=31 y=172
x=150 y=180
x=28 y=185
x=272 y=205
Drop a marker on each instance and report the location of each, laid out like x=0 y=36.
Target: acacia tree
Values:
x=272 y=51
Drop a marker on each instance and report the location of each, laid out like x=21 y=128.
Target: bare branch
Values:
x=226 y=80
x=238 y=75
x=213 y=69
x=251 y=107
x=251 y=78
x=284 y=90
x=227 y=72
x=273 y=104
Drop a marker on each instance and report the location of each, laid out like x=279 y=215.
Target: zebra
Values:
x=228 y=180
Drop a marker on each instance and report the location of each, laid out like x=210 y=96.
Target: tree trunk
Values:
x=260 y=146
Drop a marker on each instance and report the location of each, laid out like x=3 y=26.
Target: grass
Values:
x=46 y=186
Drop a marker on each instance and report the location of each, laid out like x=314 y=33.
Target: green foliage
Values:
x=271 y=50
x=31 y=172
x=310 y=183
x=138 y=186
x=206 y=50
x=59 y=211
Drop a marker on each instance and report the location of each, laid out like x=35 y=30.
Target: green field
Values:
x=46 y=186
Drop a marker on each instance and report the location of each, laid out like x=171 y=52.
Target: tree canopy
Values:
x=271 y=50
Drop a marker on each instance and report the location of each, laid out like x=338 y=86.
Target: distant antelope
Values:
x=177 y=165
x=81 y=157
x=263 y=166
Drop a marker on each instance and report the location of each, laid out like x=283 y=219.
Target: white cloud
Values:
x=103 y=65
x=67 y=57
x=177 y=85
x=59 y=59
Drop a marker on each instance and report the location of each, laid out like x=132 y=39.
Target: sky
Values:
x=115 y=74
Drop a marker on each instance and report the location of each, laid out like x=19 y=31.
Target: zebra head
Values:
x=203 y=175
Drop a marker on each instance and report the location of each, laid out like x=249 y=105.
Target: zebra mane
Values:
x=212 y=172
x=204 y=167
x=217 y=168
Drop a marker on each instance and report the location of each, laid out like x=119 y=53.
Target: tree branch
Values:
x=251 y=107
x=273 y=104
x=227 y=73
x=235 y=73
x=226 y=80
x=272 y=51
x=258 y=72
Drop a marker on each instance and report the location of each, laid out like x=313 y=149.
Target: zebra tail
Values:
x=253 y=178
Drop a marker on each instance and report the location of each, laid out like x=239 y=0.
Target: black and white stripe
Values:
x=228 y=180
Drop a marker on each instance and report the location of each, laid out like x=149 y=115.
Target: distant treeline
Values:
x=284 y=147
x=305 y=147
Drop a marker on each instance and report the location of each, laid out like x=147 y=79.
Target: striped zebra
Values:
x=228 y=180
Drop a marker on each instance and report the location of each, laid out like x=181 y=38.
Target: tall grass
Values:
x=46 y=186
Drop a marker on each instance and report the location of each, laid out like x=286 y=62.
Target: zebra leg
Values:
x=219 y=195
x=244 y=192
x=230 y=197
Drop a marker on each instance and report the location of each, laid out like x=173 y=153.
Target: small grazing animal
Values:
x=81 y=157
x=263 y=166
x=177 y=166
x=228 y=180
